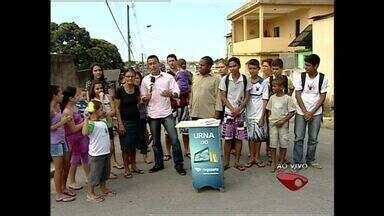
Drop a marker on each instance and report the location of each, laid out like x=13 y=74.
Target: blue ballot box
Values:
x=205 y=150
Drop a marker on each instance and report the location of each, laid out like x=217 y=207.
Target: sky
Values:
x=190 y=29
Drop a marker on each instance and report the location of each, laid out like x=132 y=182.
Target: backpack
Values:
x=303 y=77
x=227 y=83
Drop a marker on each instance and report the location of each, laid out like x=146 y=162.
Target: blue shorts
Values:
x=58 y=150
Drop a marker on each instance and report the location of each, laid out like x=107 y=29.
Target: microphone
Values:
x=152 y=83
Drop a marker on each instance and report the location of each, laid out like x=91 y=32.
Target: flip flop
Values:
x=118 y=166
x=65 y=199
x=167 y=157
x=75 y=188
x=188 y=155
x=96 y=199
x=226 y=167
x=128 y=175
x=239 y=167
x=260 y=163
x=139 y=171
x=69 y=193
x=250 y=163
x=110 y=194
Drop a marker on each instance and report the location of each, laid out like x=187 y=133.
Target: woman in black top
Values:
x=127 y=99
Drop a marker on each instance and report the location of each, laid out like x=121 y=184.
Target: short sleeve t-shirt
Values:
x=259 y=92
x=279 y=107
x=128 y=104
x=235 y=90
x=99 y=142
x=310 y=94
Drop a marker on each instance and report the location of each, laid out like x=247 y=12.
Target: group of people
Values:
x=256 y=108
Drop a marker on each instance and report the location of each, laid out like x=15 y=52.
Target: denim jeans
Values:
x=313 y=132
x=169 y=125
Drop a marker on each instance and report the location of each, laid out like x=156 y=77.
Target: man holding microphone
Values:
x=157 y=88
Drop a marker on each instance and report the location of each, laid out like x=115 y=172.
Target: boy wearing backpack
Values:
x=310 y=92
x=234 y=90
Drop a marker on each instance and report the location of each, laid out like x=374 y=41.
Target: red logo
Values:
x=292 y=181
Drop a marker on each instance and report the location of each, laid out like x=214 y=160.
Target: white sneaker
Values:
x=315 y=165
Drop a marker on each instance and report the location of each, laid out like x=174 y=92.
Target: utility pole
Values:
x=142 y=58
x=129 y=38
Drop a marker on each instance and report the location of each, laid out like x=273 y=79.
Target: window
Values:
x=297 y=27
x=276 y=32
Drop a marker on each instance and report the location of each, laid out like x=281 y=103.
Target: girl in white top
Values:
x=99 y=151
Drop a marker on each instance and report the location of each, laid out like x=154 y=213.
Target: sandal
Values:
x=95 y=199
x=109 y=193
x=226 y=167
x=167 y=157
x=138 y=171
x=118 y=166
x=250 y=163
x=188 y=155
x=239 y=167
x=128 y=175
x=65 y=198
x=69 y=193
x=77 y=187
x=260 y=163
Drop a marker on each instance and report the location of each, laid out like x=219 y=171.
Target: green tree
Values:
x=69 y=38
x=105 y=53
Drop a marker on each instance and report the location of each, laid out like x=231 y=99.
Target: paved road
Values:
x=253 y=192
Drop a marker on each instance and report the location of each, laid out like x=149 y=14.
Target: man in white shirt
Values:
x=234 y=90
x=310 y=92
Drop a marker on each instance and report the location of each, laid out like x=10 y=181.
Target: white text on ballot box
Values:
x=205 y=149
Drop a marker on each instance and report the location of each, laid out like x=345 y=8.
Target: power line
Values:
x=116 y=23
x=137 y=26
